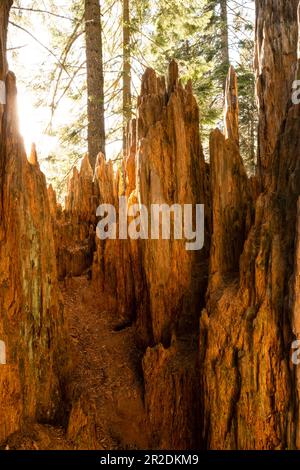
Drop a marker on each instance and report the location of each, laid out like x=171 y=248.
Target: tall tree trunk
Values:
x=275 y=74
x=95 y=80
x=126 y=70
x=252 y=143
x=224 y=38
x=5 y=6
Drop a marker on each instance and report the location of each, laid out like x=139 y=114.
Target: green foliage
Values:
x=248 y=108
x=181 y=32
x=191 y=32
x=242 y=32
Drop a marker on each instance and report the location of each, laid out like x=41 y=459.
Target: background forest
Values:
x=79 y=79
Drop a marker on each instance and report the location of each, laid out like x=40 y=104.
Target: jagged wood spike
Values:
x=231 y=107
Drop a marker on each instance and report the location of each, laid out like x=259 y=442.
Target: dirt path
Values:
x=106 y=366
x=106 y=376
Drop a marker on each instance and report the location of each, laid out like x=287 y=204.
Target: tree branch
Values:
x=35 y=10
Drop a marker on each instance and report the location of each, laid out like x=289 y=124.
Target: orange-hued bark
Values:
x=173 y=349
x=31 y=319
x=247 y=380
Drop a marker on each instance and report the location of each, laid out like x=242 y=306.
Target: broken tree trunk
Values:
x=231 y=385
x=275 y=64
x=248 y=389
x=31 y=321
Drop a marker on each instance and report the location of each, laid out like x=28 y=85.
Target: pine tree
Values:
x=127 y=101
x=5 y=6
x=202 y=35
x=181 y=32
x=224 y=35
x=231 y=41
x=95 y=79
x=247 y=104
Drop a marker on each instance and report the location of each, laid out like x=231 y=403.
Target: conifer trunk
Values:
x=126 y=70
x=225 y=37
x=5 y=6
x=95 y=80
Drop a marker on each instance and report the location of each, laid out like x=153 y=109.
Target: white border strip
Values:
x=2 y=353
x=2 y=92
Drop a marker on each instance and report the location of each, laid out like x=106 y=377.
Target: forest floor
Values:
x=106 y=376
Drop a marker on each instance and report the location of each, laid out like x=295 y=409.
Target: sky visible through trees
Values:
x=52 y=83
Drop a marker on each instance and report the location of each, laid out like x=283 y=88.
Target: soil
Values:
x=106 y=375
